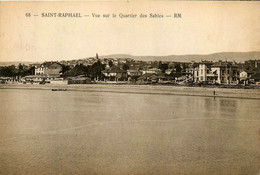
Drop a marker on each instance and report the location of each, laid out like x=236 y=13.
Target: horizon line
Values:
x=134 y=56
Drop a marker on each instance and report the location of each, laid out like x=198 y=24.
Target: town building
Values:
x=152 y=71
x=48 y=68
x=227 y=73
x=243 y=75
x=219 y=72
x=203 y=73
x=256 y=77
x=170 y=71
x=134 y=73
x=152 y=78
x=196 y=74
x=115 y=73
x=40 y=79
x=39 y=70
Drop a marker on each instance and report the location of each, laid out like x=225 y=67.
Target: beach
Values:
x=146 y=89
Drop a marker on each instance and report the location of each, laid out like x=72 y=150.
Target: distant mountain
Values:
x=230 y=56
x=15 y=63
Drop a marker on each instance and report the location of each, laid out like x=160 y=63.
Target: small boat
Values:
x=59 y=89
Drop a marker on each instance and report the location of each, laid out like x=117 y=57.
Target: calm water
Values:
x=45 y=132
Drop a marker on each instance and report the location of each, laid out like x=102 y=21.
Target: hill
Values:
x=230 y=56
x=14 y=63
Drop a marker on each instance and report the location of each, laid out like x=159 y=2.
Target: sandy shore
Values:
x=146 y=89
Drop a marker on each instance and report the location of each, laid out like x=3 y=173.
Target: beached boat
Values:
x=59 y=89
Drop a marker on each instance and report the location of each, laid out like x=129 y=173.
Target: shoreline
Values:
x=146 y=89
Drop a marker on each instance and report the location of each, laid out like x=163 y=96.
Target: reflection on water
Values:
x=45 y=132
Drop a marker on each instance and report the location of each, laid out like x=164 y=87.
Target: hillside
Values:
x=230 y=56
x=15 y=63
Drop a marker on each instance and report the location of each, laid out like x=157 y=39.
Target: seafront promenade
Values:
x=147 y=89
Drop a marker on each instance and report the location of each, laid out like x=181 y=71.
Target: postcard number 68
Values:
x=27 y=14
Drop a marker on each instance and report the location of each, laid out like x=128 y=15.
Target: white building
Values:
x=204 y=73
x=39 y=70
x=48 y=68
x=227 y=73
x=152 y=71
x=245 y=74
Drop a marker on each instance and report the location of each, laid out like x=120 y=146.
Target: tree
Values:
x=96 y=70
x=110 y=63
x=7 y=71
x=29 y=71
x=184 y=67
x=178 y=69
x=79 y=69
x=163 y=67
x=20 y=67
x=21 y=70
x=125 y=67
x=65 y=69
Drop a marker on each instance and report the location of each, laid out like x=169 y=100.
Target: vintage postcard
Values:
x=130 y=87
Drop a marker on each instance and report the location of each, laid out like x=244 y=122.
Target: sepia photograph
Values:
x=130 y=88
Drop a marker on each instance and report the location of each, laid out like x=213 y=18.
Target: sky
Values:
x=205 y=27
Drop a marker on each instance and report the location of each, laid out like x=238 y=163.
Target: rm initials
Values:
x=177 y=15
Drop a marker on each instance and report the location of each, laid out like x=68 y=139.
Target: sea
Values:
x=46 y=132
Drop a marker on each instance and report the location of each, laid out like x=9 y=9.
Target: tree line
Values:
x=13 y=71
x=92 y=71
